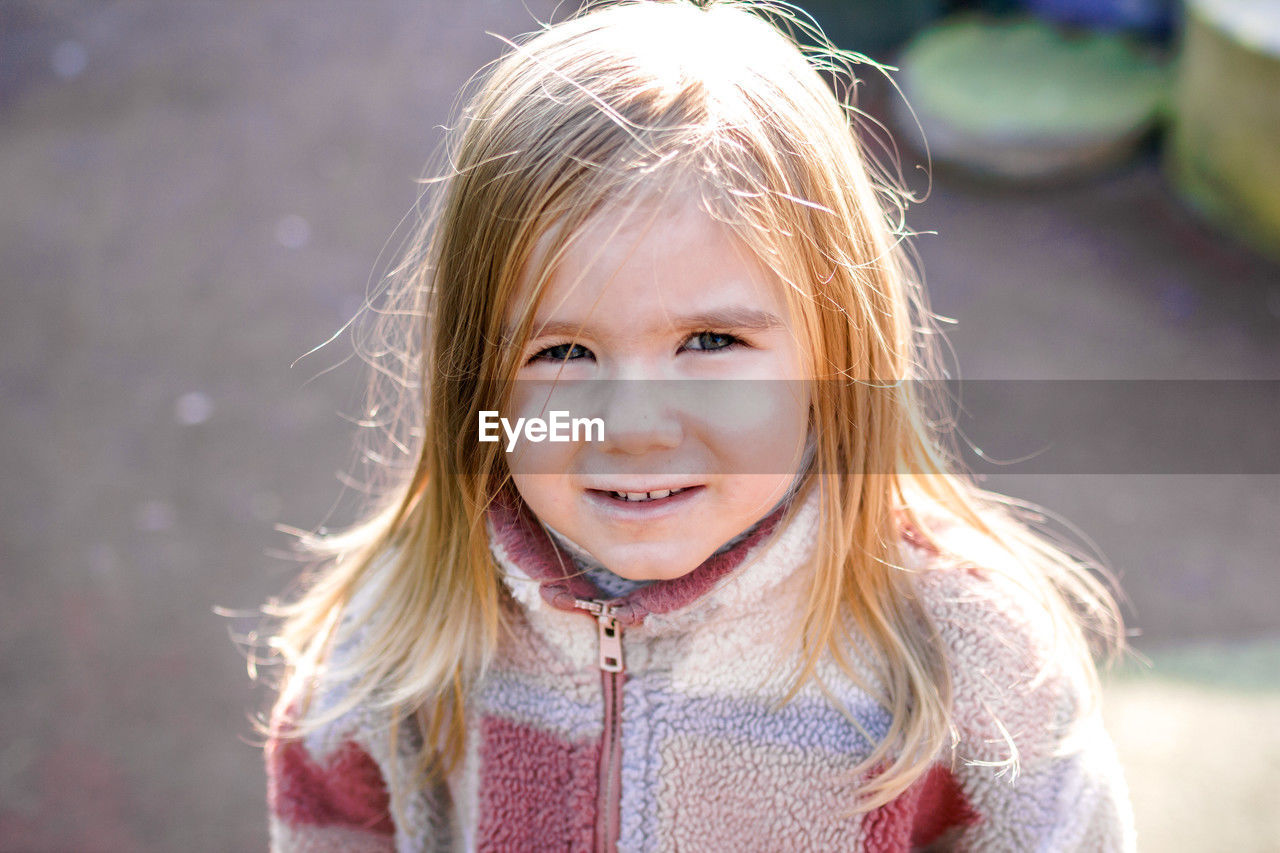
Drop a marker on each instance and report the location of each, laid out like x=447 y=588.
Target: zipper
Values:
x=609 y=633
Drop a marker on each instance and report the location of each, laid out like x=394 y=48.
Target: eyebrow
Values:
x=737 y=318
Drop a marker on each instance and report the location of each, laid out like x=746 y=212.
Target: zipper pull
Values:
x=610 y=642
x=609 y=632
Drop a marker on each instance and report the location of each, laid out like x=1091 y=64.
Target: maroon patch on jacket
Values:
x=347 y=790
x=537 y=790
x=920 y=815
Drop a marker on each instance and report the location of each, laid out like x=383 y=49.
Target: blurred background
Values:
x=196 y=194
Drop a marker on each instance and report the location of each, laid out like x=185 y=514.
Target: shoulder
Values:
x=324 y=781
x=323 y=705
x=327 y=760
x=1030 y=754
x=1019 y=679
x=327 y=776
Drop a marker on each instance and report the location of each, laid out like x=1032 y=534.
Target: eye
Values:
x=711 y=341
x=561 y=352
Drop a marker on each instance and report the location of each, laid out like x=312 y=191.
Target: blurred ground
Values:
x=1196 y=735
x=196 y=194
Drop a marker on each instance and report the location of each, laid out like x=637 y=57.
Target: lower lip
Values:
x=643 y=510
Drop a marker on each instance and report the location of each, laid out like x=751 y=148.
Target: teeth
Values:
x=646 y=496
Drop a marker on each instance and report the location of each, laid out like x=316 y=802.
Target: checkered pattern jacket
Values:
x=649 y=723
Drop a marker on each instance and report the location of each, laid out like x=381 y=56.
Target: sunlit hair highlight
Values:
x=632 y=106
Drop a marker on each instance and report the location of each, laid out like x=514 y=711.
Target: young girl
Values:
x=758 y=610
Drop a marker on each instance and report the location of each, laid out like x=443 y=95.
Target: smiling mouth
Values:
x=642 y=497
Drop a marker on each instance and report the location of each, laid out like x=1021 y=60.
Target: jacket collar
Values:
x=541 y=574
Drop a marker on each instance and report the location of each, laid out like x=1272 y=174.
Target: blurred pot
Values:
x=1020 y=99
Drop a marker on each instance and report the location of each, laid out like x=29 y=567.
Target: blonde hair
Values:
x=616 y=105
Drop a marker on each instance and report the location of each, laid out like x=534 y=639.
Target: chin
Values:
x=652 y=567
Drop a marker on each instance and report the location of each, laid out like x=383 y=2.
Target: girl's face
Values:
x=672 y=298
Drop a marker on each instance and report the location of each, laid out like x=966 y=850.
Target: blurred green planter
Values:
x=872 y=27
x=1223 y=156
x=1018 y=99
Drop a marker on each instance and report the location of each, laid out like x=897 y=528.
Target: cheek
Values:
x=546 y=495
x=755 y=427
x=540 y=462
x=533 y=452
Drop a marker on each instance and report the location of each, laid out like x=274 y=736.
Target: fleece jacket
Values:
x=651 y=723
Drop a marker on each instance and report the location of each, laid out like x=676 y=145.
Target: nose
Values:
x=640 y=416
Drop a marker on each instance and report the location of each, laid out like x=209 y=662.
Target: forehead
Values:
x=632 y=261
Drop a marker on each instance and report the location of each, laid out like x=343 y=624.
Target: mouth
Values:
x=642 y=497
x=647 y=500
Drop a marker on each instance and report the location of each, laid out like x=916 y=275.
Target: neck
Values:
x=540 y=574
x=612 y=585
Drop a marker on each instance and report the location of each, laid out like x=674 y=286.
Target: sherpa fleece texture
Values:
x=707 y=764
